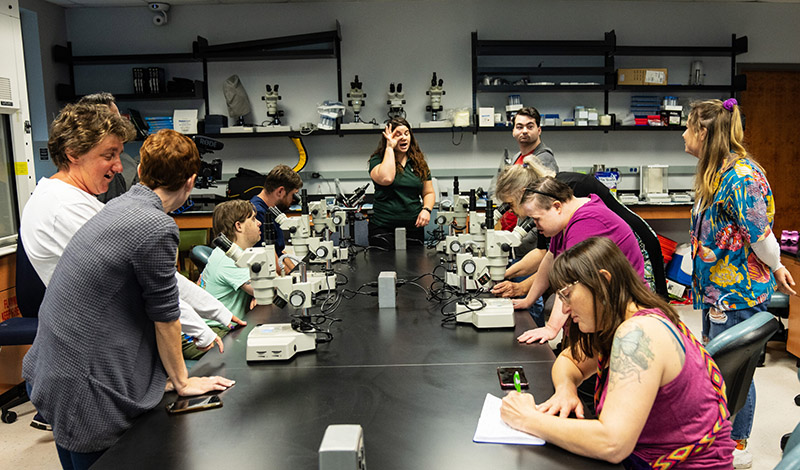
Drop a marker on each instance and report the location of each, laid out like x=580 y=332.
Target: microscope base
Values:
x=435 y=124
x=498 y=313
x=273 y=129
x=277 y=342
x=358 y=125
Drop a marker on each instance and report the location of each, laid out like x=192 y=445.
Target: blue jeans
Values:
x=536 y=310
x=77 y=460
x=743 y=421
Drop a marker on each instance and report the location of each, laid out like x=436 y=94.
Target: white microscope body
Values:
x=490 y=312
x=260 y=261
x=435 y=107
x=274 y=341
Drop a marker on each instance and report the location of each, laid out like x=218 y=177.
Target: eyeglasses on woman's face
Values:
x=565 y=292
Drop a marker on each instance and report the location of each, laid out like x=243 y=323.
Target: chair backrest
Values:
x=779 y=304
x=737 y=350
x=30 y=288
x=199 y=255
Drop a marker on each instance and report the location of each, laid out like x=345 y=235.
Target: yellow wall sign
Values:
x=21 y=168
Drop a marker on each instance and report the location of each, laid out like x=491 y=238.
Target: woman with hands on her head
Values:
x=568 y=220
x=737 y=260
x=404 y=195
x=655 y=399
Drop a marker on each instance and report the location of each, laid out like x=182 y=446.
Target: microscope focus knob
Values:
x=256 y=268
x=468 y=267
x=297 y=299
x=455 y=247
x=505 y=247
x=321 y=252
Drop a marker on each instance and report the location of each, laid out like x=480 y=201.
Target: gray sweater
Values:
x=94 y=365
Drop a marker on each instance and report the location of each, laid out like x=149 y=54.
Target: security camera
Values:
x=160 y=18
x=158 y=6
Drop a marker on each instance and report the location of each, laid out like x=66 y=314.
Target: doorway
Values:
x=771 y=105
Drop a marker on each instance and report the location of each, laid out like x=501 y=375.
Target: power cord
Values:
x=465 y=300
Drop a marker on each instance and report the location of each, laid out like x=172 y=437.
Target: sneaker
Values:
x=39 y=422
x=742 y=458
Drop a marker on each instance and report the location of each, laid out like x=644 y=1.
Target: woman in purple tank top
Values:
x=656 y=402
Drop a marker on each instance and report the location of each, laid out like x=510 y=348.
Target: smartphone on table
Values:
x=185 y=405
x=506 y=376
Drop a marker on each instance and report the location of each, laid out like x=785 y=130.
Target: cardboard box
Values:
x=486 y=117
x=641 y=76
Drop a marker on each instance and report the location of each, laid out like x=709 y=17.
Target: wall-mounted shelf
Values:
x=340 y=132
x=323 y=45
x=499 y=59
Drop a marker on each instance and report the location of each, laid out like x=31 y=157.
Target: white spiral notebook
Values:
x=492 y=430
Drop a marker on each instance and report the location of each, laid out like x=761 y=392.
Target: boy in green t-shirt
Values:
x=221 y=277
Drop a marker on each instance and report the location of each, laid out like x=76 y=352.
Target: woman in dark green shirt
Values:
x=404 y=195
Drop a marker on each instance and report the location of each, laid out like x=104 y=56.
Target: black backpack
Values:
x=245 y=185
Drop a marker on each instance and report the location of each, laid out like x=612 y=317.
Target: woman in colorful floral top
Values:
x=735 y=255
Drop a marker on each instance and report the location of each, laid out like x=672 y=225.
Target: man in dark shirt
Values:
x=280 y=188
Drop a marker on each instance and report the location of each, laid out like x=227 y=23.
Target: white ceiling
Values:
x=136 y=3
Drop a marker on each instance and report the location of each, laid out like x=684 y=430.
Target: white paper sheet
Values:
x=492 y=430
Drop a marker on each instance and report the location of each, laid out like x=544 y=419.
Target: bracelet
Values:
x=426 y=209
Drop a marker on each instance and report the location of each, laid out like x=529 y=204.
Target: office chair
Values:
x=199 y=255
x=790 y=447
x=779 y=306
x=736 y=351
x=21 y=330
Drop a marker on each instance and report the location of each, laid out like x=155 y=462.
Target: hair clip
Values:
x=730 y=103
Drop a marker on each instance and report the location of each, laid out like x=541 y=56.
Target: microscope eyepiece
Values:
x=528 y=224
x=223 y=242
x=503 y=208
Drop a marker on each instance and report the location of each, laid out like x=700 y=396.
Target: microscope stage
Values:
x=277 y=342
x=498 y=313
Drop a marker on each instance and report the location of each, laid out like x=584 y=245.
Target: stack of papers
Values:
x=492 y=430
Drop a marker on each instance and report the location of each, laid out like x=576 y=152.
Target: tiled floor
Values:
x=23 y=447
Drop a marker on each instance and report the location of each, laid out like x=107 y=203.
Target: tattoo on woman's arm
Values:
x=631 y=353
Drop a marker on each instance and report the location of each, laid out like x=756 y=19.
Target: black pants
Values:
x=384 y=236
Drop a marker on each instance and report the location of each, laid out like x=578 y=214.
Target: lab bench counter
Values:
x=415 y=386
x=662 y=211
x=193 y=220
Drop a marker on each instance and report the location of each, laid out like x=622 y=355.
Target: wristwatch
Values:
x=426 y=209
